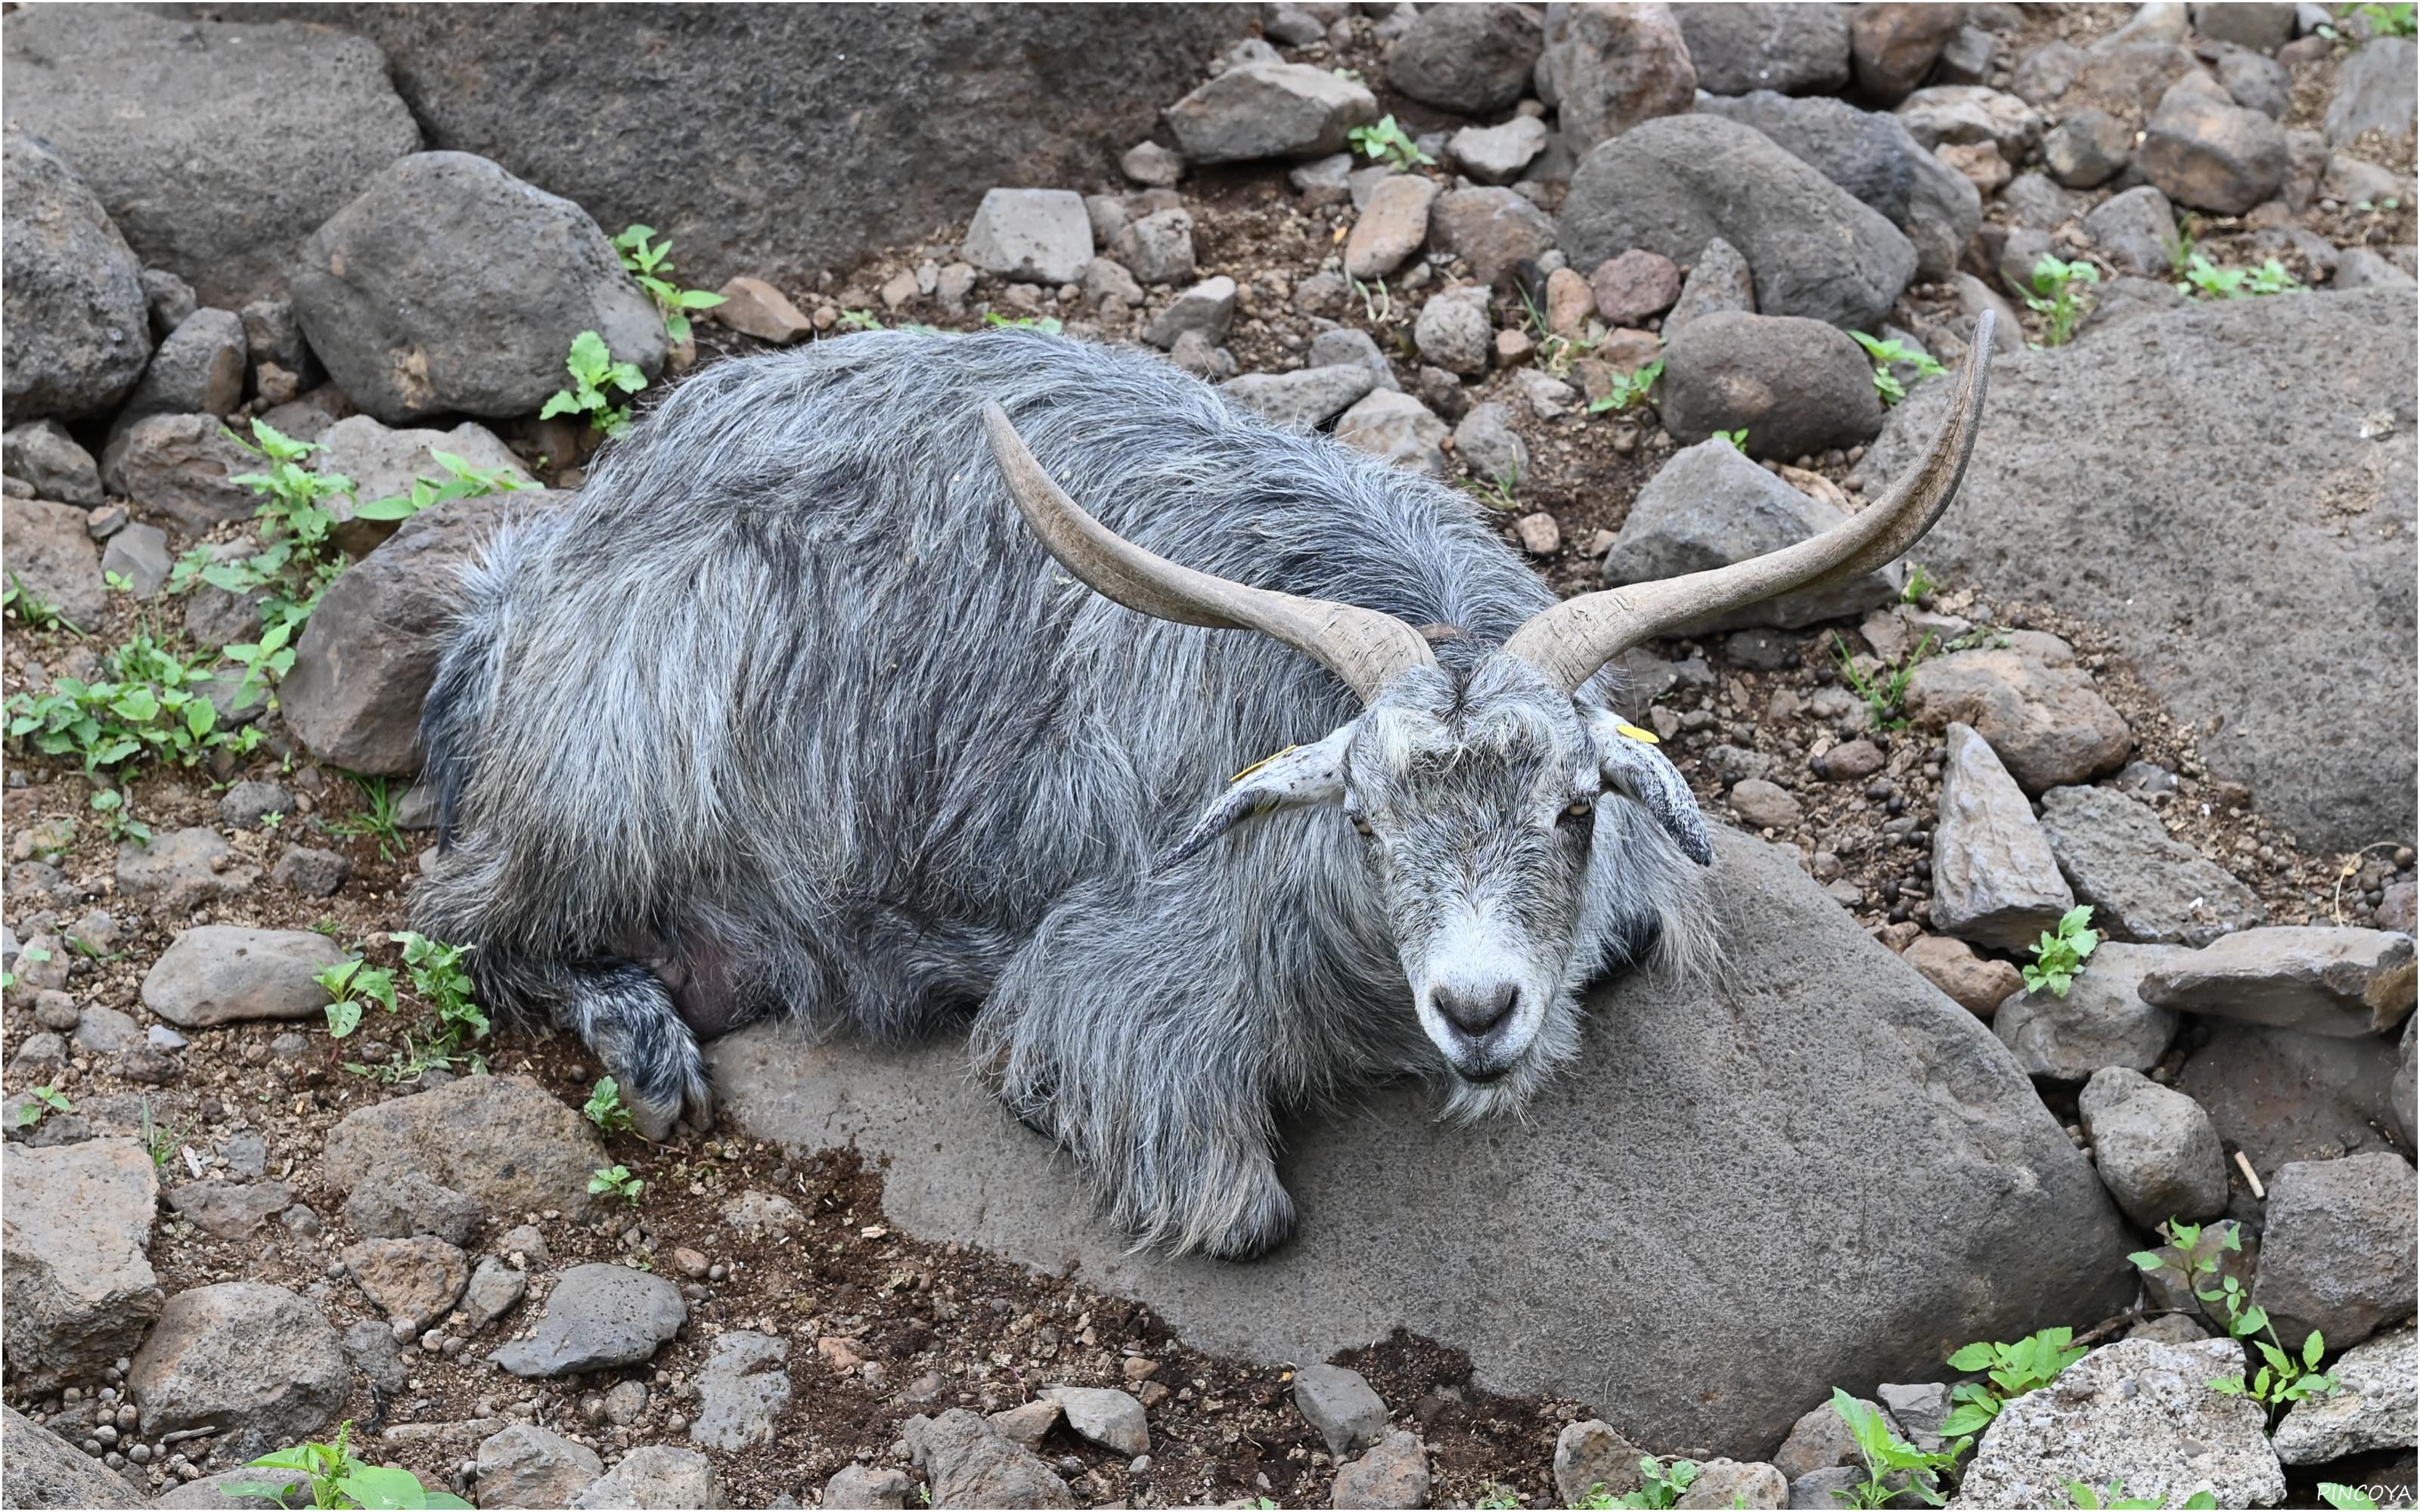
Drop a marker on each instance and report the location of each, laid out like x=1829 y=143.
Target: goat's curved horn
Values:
x=1572 y=641
x=1367 y=649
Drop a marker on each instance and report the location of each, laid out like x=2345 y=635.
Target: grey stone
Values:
x=1492 y=231
x=499 y=1140
x=2034 y=201
x=231 y=1210
x=315 y=872
x=2359 y=268
x=656 y=1476
x=1037 y=236
x=139 y=554
x=1148 y=162
x=1322 y=181
x=1351 y=347
x=1269 y=110
x=528 y=271
x=968 y=1463
x=367 y=656
x=52 y=556
x=2155 y=1148
x=45 y=1470
x=244 y=805
x=1961 y=114
x=1819 y=1440
x=1994 y=879
x=1302 y=400
x=528 y=1466
x=1796 y=49
x=1454 y=331
x=217 y=146
x=370 y=1346
x=170 y=300
x=2202 y=151
x=2337 y=1253
x=1920 y=1410
x=2101 y=1022
x=494 y=1288
x=2375 y=90
x=2256 y=82
x=1826 y=1488
x=2403 y=1088
x=223 y=973
x=43 y=456
x=1957 y=1150
x=1157 y=247
x=1398 y=427
x=77 y=332
x=1709 y=506
x=1671 y=184
x=741 y=1389
x=599 y=1316
x=2133 y=229
x=2320 y=979
x=2262 y=27
x=2042 y=715
x=175 y=469
x=1607 y=67
x=1489 y=447
x=2371 y=1409
x=80 y=1292
x=214 y=1490
x=2088 y=148
x=273 y=333
x=1475 y=59
x=1395 y=1474
x=854 y=1485
x=1719 y=281
x=1208 y=307
x=1731 y=1483
x=1104 y=1416
x=1592 y=1458
x=1341 y=1405
x=2143 y=885
x=2282 y=1096
x=1872 y=157
x=415 y=1281
x=1497 y=154
x=2136 y=1412
x=409 y=1203
x=198 y=370
x=385 y=463
x=105 y=1030
x=1797 y=386
x=255 y=1361
x=1393 y=221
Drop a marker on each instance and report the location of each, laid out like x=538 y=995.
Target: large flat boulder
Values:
x=1824 y=1138
x=2268 y=532
x=771 y=140
x=216 y=146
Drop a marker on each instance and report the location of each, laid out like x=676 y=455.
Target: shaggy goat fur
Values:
x=789 y=714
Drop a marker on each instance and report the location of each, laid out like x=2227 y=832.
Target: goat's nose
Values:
x=1477 y=1012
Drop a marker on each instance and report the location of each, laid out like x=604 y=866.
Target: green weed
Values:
x=1496 y=492
x=117 y=821
x=337 y=1478
x=352 y=986
x=1919 y=584
x=647 y=265
x=1737 y=437
x=146 y=700
x=32 y=610
x=2059 y=955
x=2211 y=281
x=2056 y=292
x=1884 y=689
x=2113 y=1496
x=1630 y=389
x=618 y=1180
x=1889 y=354
x=461 y=481
x=2010 y=1370
x=1888 y=1457
x=596 y=377
x=2283 y=1378
x=46 y=1100
x=1046 y=323
x=605 y=1108
x=1664 y=1484
x=1390 y=142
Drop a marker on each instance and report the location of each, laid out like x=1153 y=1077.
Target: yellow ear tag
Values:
x=1265 y=760
x=1637 y=733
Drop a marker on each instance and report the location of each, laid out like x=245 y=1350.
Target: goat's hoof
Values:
x=1266 y=1226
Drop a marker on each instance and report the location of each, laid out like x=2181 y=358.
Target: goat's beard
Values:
x=1555 y=1044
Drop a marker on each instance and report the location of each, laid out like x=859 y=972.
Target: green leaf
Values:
x=2148 y=1259
x=2313 y=1348
x=376 y=1486
x=698 y=298
x=2202 y=1501
x=1973 y=1357
x=396 y=507
x=343 y=1018
x=590 y=357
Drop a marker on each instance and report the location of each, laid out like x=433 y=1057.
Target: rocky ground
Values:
x=230 y=1230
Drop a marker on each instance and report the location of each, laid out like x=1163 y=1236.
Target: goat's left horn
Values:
x=1367 y=649
x=1570 y=642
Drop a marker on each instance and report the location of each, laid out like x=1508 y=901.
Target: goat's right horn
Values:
x=1570 y=642
x=1364 y=647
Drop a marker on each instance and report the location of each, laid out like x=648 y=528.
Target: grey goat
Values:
x=824 y=699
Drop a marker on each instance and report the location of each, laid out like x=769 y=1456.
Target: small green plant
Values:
x=605 y=1108
x=352 y=986
x=618 y=1180
x=2284 y=1379
x=2059 y=955
x=32 y=611
x=595 y=379
x=1737 y=437
x=461 y=481
x=1885 y=688
x=2384 y=19
x=1630 y=389
x=1391 y=142
x=1664 y=1483
x=2333 y=1492
x=297 y=559
x=1496 y=492
x=380 y=817
x=45 y=1100
x=2010 y=1370
x=1889 y=1458
x=159 y=1141
x=2056 y=293
x=2203 y=277
x=1377 y=303
x=860 y=320
x=1495 y=1496
x=647 y=265
x=117 y=821
x=1889 y=354
x=142 y=700
x=337 y=1478
x=2113 y=1496
x=439 y=980
x=1919 y=583
x=1048 y=324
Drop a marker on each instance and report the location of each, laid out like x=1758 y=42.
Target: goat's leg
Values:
x=1160 y=1089
x=627 y=1019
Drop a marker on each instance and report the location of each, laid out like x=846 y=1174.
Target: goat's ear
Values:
x=1291 y=778
x=1634 y=766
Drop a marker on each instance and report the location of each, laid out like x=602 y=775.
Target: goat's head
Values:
x=1476 y=797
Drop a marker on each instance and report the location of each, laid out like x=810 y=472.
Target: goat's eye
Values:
x=1580 y=809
